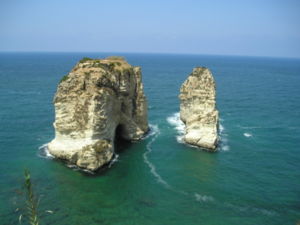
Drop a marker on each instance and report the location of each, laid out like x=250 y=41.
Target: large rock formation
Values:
x=198 y=109
x=96 y=100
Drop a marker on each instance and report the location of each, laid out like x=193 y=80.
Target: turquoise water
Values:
x=253 y=179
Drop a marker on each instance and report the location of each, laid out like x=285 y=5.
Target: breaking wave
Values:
x=247 y=135
x=223 y=144
x=175 y=121
x=179 y=126
x=43 y=152
x=114 y=160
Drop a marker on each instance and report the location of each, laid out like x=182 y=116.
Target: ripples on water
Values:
x=252 y=179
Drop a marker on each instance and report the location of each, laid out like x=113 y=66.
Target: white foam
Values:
x=252 y=127
x=154 y=132
x=72 y=166
x=77 y=168
x=87 y=171
x=263 y=211
x=175 y=121
x=44 y=152
x=203 y=198
x=221 y=128
x=223 y=143
x=225 y=148
x=247 y=135
x=179 y=139
x=114 y=160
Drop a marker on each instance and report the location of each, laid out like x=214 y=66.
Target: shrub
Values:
x=85 y=59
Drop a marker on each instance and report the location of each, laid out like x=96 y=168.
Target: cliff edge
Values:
x=198 y=109
x=96 y=100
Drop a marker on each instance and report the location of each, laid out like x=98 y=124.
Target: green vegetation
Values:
x=111 y=66
x=31 y=202
x=64 y=78
x=85 y=59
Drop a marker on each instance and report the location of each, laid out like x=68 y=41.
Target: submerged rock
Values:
x=198 y=109
x=96 y=100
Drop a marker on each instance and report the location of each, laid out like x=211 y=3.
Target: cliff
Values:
x=198 y=109
x=96 y=100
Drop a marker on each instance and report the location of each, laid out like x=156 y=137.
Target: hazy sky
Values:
x=226 y=27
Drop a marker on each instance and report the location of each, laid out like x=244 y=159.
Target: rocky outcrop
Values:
x=96 y=100
x=198 y=109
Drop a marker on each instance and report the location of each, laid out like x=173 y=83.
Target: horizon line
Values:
x=158 y=53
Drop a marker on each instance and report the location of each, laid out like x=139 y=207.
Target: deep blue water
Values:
x=253 y=179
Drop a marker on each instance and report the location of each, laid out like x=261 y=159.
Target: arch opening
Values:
x=121 y=144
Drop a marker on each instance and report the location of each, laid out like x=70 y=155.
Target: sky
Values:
x=217 y=27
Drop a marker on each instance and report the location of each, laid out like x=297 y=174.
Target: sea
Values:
x=253 y=178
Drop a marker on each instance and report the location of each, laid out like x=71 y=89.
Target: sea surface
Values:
x=253 y=179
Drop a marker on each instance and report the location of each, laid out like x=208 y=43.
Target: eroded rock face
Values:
x=198 y=109
x=92 y=101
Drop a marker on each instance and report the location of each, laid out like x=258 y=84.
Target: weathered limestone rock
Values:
x=198 y=109
x=92 y=101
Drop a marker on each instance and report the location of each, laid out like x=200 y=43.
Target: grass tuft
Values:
x=31 y=202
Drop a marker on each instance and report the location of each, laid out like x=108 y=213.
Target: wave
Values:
x=175 y=121
x=114 y=160
x=223 y=140
x=249 y=208
x=223 y=143
x=154 y=131
x=221 y=127
x=252 y=127
x=76 y=168
x=179 y=126
x=203 y=198
x=43 y=152
x=247 y=135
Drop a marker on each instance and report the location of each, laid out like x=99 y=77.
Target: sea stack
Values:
x=98 y=101
x=198 y=109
